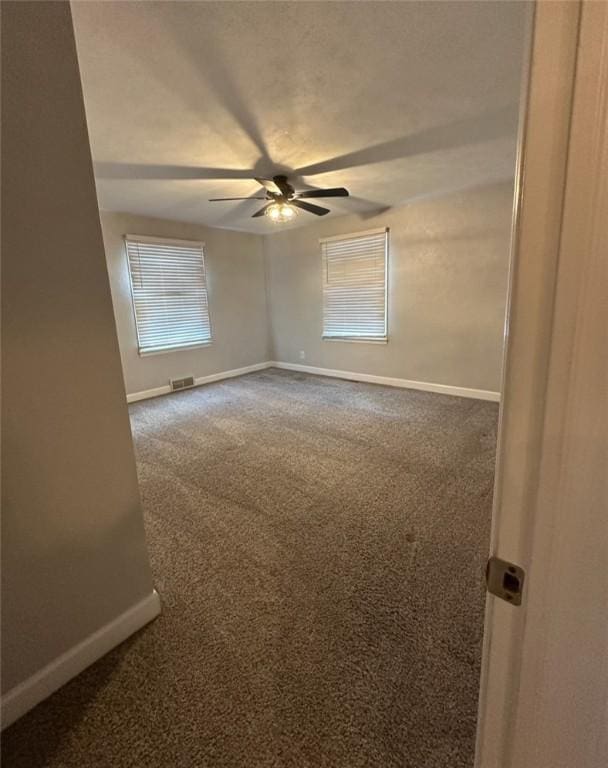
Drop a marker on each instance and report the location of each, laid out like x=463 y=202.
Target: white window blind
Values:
x=354 y=286
x=169 y=293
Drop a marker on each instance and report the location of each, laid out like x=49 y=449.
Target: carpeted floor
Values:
x=319 y=548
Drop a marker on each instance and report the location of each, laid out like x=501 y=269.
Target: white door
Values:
x=544 y=689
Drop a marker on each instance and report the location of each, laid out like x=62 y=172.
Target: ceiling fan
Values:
x=283 y=200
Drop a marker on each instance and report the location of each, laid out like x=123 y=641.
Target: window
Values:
x=169 y=293
x=354 y=286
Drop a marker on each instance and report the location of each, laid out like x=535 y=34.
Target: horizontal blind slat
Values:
x=354 y=286
x=169 y=290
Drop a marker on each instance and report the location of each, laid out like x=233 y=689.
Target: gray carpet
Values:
x=319 y=548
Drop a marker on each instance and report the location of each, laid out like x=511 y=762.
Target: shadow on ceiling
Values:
x=471 y=131
x=476 y=130
x=205 y=58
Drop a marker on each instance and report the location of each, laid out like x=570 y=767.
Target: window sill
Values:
x=169 y=350
x=356 y=339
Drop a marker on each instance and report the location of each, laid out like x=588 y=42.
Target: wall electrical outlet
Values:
x=302 y=355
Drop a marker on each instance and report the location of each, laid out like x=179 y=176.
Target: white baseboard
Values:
x=388 y=381
x=35 y=689
x=147 y=393
x=369 y=378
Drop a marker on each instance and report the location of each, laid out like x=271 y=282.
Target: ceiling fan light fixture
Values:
x=281 y=212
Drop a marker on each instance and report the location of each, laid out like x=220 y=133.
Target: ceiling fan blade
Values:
x=268 y=185
x=223 y=199
x=262 y=211
x=316 y=209
x=333 y=192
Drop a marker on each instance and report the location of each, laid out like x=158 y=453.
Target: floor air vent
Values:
x=187 y=381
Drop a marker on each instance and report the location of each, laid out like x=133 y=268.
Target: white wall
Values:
x=448 y=270
x=73 y=549
x=237 y=302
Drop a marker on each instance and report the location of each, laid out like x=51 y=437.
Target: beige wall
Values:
x=73 y=549
x=448 y=269
x=237 y=302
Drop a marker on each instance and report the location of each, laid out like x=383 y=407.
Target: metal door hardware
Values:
x=505 y=580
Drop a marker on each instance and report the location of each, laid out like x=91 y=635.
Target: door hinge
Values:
x=505 y=580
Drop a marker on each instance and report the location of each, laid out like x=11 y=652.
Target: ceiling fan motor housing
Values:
x=287 y=191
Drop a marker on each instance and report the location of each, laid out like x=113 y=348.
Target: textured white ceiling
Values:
x=393 y=100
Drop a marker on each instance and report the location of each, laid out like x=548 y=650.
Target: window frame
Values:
x=166 y=241
x=355 y=339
